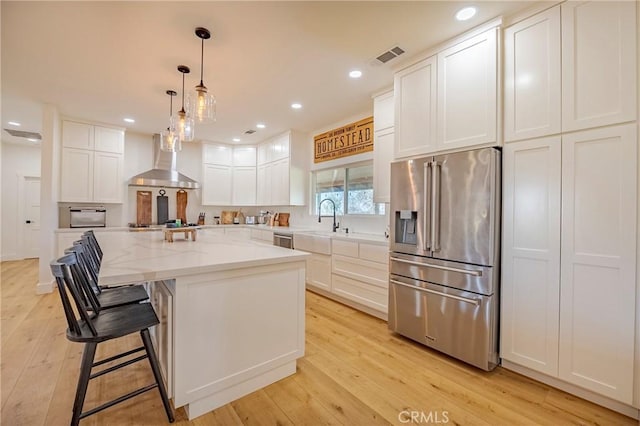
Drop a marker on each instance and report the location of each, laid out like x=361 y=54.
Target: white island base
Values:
x=234 y=320
x=235 y=332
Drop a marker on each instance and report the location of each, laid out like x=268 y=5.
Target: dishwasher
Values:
x=283 y=240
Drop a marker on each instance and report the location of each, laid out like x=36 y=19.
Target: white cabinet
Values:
x=532 y=77
x=599 y=74
x=261 y=234
x=467 y=95
x=383 y=134
x=229 y=175
x=318 y=271
x=449 y=100
x=360 y=273
x=161 y=299
x=244 y=186
x=415 y=109
x=282 y=171
x=569 y=258
x=92 y=163
x=216 y=185
x=530 y=289
x=598 y=266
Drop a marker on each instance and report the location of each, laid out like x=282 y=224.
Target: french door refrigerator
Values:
x=445 y=251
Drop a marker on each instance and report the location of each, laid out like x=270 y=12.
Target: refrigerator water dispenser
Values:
x=406 y=223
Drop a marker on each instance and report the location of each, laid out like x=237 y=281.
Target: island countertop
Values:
x=144 y=256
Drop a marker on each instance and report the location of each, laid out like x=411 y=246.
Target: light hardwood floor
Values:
x=354 y=373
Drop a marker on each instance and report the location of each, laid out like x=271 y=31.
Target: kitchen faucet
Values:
x=335 y=226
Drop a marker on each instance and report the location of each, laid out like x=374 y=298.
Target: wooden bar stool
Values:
x=96 y=297
x=102 y=326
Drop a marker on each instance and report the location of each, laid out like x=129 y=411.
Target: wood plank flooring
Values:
x=354 y=373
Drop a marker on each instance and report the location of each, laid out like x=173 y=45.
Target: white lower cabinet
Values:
x=569 y=258
x=261 y=234
x=161 y=299
x=319 y=271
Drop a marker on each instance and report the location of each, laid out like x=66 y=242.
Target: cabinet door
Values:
x=467 y=96
x=76 y=179
x=77 y=135
x=383 y=106
x=319 y=271
x=280 y=147
x=108 y=140
x=598 y=63
x=598 y=271
x=107 y=177
x=216 y=186
x=530 y=292
x=414 y=91
x=280 y=183
x=264 y=190
x=244 y=156
x=244 y=186
x=532 y=77
x=382 y=156
x=217 y=154
x=263 y=153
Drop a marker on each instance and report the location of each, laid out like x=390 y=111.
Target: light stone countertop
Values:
x=145 y=256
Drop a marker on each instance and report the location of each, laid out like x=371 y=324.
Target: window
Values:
x=350 y=189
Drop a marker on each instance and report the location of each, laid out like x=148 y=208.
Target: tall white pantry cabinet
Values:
x=570 y=175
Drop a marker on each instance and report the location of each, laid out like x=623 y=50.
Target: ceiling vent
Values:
x=249 y=132
x=23 y=134
x=390 y=54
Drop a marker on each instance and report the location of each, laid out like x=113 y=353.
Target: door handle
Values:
x=443 y=268
x=474 y=302
x=28 y=221
x=435 y=205
x=427 y=206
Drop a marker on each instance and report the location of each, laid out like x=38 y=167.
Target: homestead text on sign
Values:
x=354 y=138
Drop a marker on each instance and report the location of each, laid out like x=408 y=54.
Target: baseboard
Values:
x=43 y=288
x=355 y=305
x=9 y=257
x=574 y=390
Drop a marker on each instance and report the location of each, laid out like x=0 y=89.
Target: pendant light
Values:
x=181 y=123
x=169 y=141
x=202 y=104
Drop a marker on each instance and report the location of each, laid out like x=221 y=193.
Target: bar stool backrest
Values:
x=94 y=243
x=84 y=276
x=92 y=256
x=61 y=270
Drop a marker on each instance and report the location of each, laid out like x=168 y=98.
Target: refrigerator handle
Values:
x=427 y=206
x=435 y=207
x=438 y=293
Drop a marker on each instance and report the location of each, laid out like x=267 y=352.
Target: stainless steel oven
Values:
x=87 y=217
x=283 y=240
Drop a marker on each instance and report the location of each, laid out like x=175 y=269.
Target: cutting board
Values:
x=162 y=207
x=226 y=218
x=143 y=207
x=181 y=205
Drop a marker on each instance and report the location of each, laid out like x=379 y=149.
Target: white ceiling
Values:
x=103 y=61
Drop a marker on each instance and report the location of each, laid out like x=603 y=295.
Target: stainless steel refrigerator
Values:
x=445 y=251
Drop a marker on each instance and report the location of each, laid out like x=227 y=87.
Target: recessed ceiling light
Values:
x=296 y=105
x=260 y=126
x=236 y=139
x=14 y=123
x=355 y=74
x=129 y=120
x=465 y=13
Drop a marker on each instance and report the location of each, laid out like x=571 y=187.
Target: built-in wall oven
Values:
x=444 y=261
x=283 y=240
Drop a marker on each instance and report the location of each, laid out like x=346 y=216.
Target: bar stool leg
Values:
x=153 y=360
x=88 y=355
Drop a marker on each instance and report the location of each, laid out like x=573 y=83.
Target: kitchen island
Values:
x=235 y=317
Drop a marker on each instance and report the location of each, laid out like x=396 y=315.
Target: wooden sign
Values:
x=354 y=138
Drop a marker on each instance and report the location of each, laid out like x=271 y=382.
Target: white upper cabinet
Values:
x=244 y=156
x=92 y=166
x=217 y=154
x=598 y=270
x=532 y=77
x=108 y=140
x=414 y=90
x=244 y=186
x=216 y=185
x=530 y=291
x=467 y=96
x=383 y=141
x=599 y=74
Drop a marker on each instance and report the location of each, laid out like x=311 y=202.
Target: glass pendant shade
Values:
x=183 y=126
x=202 y=105
x=169 y=141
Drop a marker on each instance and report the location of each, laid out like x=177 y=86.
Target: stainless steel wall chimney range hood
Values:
x=164 y=173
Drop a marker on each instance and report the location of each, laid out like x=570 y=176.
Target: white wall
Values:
x=17 y=161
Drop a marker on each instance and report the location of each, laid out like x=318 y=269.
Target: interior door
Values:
x=31 y=219
x=466 y=203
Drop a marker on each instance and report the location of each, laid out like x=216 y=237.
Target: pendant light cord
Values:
x=201 y=61
x=182 y=110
